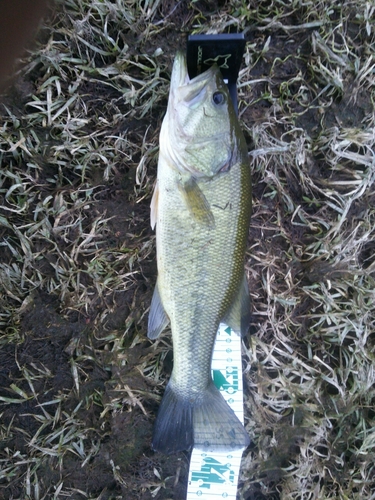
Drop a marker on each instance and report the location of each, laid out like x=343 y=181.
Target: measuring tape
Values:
x=215 y=475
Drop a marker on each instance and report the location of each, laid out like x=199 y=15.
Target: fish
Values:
x=201 y=209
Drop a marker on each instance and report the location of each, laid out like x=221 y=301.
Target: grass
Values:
x=80 y=383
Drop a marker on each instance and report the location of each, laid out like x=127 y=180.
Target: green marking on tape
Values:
x=213 y=472
x=228 y=382
x=219 y=379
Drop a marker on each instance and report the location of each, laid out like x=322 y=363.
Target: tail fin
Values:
x=207 y=423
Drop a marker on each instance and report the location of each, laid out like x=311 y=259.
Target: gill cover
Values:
x=199 y=132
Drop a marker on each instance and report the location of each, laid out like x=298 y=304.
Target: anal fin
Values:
x=157 y=319
x=238 y=316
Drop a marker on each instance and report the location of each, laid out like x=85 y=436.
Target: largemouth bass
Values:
x=201 y=208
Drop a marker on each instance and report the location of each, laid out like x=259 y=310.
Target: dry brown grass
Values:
x=80 y=383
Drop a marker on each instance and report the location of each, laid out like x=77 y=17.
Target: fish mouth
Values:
x=179 y=74
x=183 y=88
x=180 y=142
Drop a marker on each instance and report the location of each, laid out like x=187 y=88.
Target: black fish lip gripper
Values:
x=226 y=50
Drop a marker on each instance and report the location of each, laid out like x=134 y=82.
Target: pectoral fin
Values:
x=197 y=203
x=157 y=319
x=154 y=206
x=238 y=316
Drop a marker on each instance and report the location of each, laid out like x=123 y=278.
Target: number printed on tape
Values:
x=214 y=475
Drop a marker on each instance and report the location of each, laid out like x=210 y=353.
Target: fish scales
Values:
x=201 y=270
x=201 y=208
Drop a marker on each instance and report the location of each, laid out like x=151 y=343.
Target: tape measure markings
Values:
x=214 y=475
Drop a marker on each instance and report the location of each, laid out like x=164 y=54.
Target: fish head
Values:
x=200 y=133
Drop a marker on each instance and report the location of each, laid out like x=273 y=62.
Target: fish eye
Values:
x=218 y=98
